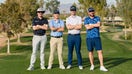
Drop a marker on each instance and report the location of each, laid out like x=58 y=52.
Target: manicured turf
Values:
x=117 y=58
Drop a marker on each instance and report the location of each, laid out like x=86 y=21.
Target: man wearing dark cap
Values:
x=74 y=25
x=56 y=42
x=93 y=40
x=40 y=25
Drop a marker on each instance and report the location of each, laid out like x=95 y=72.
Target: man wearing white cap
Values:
x=40 y=25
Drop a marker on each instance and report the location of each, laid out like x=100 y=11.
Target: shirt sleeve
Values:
x=33 y=22
x=51 y=23
x=67 y=21
x=86 y=21
x=62 y=24
x=80 y=20
x=98 y=19
x=46 y=22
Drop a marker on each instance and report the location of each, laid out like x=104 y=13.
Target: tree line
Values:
x=16 y=15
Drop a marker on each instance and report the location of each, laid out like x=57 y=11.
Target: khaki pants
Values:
x=56 y=43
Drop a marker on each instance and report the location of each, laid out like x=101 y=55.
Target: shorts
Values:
x=94 y=43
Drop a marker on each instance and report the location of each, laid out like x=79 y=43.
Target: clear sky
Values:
x=72 y=1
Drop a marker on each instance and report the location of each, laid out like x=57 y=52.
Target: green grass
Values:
x=117 y=58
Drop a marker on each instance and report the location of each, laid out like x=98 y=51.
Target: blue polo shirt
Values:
x=57 y=24
x=37 y=21
x=94 y=32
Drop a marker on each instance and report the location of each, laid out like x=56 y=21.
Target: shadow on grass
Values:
x=108 y=62
x=112 y=62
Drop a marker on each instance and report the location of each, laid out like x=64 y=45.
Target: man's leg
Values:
x=42 y=47
x=90 y=47
x=78 y=48
x=59 y=50
x=70 y=49
x=91 y=57
x=35 y=44
x=100 y=56
x=52 y=50
x=98 y=46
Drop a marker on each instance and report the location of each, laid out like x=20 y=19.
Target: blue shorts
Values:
x=94 y=43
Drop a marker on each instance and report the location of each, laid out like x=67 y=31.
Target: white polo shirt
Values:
x=74 y=20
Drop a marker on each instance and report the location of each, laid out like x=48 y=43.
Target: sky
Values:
x=72 y=1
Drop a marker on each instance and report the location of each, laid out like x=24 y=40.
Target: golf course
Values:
x=117 y=57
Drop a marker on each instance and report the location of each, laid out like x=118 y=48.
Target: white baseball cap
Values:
x=40 y=9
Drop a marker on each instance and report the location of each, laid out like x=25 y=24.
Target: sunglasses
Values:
x=40 y=11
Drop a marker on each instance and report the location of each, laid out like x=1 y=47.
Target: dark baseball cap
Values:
x=91 y=9
x=56 y=12
x=73 y=8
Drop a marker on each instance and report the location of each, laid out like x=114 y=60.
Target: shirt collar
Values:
x=73 y=16
x=39 y=18
x=56 y=21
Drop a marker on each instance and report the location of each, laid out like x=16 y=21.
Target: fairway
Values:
x=117 y=58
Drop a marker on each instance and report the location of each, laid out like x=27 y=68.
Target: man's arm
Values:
x=60 y=29
x=44 y=27
x=89 y=26
x=37 y=27
x=78 y=27
x=70 y=27
x=97 y=25
x=53 y=28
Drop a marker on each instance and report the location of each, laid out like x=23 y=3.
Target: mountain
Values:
x=65 y=8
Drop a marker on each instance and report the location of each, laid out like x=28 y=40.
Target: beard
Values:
x=92 y=15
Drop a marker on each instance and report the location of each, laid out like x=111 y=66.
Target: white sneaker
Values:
x=68 y=67
x=62 y=67
x=43 y=67
x=92 y=67
x=49 y=67
x=30 y=68
x=80 y=67
x=102 y=68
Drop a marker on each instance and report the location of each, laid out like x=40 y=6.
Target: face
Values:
x=91 y=14
x=56 y=16
x=40 y=13
x=73 y=12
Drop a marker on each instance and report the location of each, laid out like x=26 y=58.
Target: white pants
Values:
x=36 y=41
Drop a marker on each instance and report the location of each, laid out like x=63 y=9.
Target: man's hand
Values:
x=37 y=27
x=97 y=24
x=53 y=28
x=44 y=27
x=70 y=27
x=78 y=27
x=61 y=29
x=89 y=26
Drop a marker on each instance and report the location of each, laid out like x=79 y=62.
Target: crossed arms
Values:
x=61 y=29
x=90 y=26
x=75 y=27
x=37 y=27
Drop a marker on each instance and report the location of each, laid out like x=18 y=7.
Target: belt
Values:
x=56 y=36
x=74 y=34
x=39 y=34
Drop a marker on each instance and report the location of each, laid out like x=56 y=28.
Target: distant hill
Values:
x=65 y=8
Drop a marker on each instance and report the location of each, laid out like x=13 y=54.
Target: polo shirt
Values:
x=94 y=32
x=74 y=20
x=37 y=21
x=56 y=24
